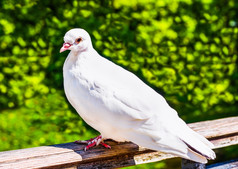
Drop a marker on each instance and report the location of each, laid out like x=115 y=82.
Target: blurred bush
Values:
x=186 y=50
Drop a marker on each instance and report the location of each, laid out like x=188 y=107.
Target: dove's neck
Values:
x=79 y=57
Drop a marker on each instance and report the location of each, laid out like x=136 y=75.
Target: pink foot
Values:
x=93 y=142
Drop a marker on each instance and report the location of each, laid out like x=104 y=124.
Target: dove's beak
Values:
x=65 y=47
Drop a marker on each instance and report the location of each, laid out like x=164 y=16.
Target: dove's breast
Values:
x=77 y=92
x=89 y=104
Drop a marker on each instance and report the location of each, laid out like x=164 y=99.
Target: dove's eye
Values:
x=78 y=40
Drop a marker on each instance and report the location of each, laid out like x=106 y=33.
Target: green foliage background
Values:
x=186 y=50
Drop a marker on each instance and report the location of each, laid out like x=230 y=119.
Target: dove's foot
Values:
x=93 y=142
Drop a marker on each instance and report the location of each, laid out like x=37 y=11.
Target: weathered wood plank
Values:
x=222 y=132
x=220 y=142
x=216 y=128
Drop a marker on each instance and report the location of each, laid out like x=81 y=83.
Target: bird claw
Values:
x=93 y=142
x=105 y=145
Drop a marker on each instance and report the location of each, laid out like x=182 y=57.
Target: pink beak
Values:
x=65 y=47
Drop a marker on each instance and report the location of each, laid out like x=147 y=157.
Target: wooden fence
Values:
x=221 y=132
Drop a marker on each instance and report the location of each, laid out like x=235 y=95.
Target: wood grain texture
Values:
x=216 y=128
x=222 y=132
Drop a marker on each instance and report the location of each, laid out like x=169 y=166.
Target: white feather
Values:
x=120 y=106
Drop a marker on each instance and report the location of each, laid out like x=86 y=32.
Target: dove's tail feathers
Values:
x=192 y=147
x=197 y=147
x=203 y=139
x=181 y=141
x=173 y=137
x=196 y=143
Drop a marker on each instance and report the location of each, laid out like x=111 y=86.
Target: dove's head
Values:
x=76 y=40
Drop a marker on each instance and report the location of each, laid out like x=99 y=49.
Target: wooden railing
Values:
x=221 y=132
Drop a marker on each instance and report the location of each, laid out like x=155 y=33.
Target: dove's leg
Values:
x=93 y=142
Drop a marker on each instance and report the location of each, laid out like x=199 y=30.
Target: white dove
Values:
x=121 y=107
